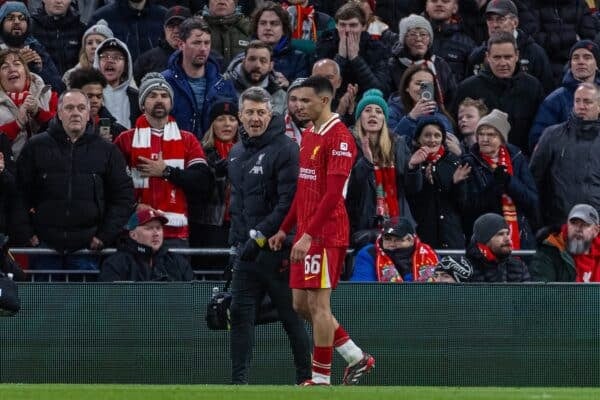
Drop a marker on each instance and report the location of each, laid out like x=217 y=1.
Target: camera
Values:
x=427 y=91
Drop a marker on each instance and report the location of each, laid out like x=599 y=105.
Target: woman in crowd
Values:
x=409 y=103
x=26 y=103
x=434 y=205
x=209 y=223
x=380 y=176
x=494 y=178
x=92 y=38
x=470 y=111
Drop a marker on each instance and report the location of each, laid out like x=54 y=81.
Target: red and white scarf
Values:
x=423 y=257
x=302 y=20
x=509 y=210
x=386 y=192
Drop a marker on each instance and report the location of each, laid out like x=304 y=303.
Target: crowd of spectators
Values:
x=476 y=124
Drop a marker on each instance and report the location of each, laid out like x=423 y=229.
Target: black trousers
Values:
x=250 y=282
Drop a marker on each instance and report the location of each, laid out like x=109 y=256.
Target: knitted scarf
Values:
x=386 y=192
x=587 y=266
x=509 y=210
x=303 y=23
x=486 y=252
x=384 y=266
x=223 y=148
x=433 y=158
x=291 y=130
x=423 y=257
x=19 y=97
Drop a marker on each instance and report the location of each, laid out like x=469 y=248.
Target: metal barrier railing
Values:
x=204 y=273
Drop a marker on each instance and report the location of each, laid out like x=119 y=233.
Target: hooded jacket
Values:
x=140 y=30
x=263 y=171
x=75 y=190
x=136 y=262
x=556 y=107
x=189 y=117
x=566 y=168
x=122 y=100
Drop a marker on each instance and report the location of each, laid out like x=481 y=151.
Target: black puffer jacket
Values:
x=263 y=171
x=510 y=269
x=561 y=24
x=77 y=190
x=368 y=70
x=519 y=96
x=136 y=262
x=60 y=36
x=452 y=44
x=532 y=59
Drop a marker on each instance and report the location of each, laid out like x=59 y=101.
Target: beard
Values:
x=14 y=40
x=158 y=112
x=248 y=76
x=300 y=123
x=578 y=246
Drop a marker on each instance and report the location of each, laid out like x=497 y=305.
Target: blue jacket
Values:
x=400 y=123
x=140 y=30
x=185 y=111
x=290 y=62
x=556 y=107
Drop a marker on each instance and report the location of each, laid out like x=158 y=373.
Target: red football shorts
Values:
x=321 y=269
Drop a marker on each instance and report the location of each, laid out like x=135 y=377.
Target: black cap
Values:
x=501 y=7
x=177 y=12
x=400 y=228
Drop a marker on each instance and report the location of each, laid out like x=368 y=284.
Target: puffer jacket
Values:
x=561 y=24
x=229 y=35
x=189 y=116
x=510 y=269
x=140 y=30
x=565 y=166
x=480 y=193
x=60 y=36
x=75 y=190
x=136 y=262
x=452 y=44
x=556 y=107
x=263 y=171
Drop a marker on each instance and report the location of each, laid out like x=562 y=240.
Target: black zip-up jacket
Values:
x=452 y=44
x=60 y=36
x=263 y=171
x=509 y=269
x=137 y=262
x=74 y=191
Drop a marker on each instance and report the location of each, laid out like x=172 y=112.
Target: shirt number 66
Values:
x=312 y=264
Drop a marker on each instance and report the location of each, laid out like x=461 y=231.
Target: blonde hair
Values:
x=382 y=150
x=208 y=141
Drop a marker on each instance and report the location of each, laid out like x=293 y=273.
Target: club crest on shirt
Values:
x=315 y=152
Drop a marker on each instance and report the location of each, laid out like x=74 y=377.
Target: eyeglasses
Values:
x=417 y=35
x=106 y=57
x=16 y=17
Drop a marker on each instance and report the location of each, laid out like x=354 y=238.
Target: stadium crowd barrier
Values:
x=202 y=273
x=421 y=334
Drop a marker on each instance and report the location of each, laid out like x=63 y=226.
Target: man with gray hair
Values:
x=74 y=186
x=263 y=158
x=167 y=164
x=571 y=252
x=565 y=163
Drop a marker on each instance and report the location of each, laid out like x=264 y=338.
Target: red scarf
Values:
x=304 y=23
x=587 y=266
x=19 y=97
x=509 y=210
x=423 y=258
x=386 y=192
x=435 y=157
x=487 y=252
x=223 y=148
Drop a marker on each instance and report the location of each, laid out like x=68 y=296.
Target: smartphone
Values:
x=104 y=128
x=427 y=91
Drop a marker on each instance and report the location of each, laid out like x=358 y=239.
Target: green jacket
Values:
x=552 y=262
x=229 y=36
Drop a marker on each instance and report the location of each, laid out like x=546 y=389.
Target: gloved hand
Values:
x=221 y=168
x=234 y=259
x=501 y=177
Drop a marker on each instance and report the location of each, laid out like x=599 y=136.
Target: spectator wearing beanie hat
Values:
x=433 y=205
x=489 y=252
x=415 y=46
x=90 y=41
x=210 y=227
x=495 y=177
x=168 y=166
x=383 y=164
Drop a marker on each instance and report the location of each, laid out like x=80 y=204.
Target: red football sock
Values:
x=322 y=357
x=340 y=336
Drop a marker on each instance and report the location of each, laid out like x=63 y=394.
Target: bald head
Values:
x=329 y=69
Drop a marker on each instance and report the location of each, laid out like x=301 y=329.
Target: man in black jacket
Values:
x=263 y=168
x=74 y=185
x=142 y=256
x=489 y=252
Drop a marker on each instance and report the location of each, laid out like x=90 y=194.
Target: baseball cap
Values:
x=501 y=7
x=399 y=229
x=584 y=212
x=144 y=216
x=177 y=12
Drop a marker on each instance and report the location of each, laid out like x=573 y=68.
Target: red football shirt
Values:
x=330 y=151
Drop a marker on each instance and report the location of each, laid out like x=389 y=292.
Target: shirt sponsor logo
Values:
x=344 y=146
x=308 y=174
x=341 y=153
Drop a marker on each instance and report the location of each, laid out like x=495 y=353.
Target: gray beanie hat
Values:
x=411 y=22
x=153 y=81
x=101 y=28
x=497 y=120
x=486 y=226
